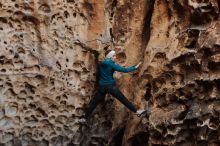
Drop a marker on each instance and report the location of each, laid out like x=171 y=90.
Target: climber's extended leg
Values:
x=114 y=91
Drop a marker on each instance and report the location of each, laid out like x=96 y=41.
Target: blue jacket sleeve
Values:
x=120 y=68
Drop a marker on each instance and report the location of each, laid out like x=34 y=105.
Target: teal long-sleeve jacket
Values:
x=106 y=70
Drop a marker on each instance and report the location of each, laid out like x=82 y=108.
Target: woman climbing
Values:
x=107 y=84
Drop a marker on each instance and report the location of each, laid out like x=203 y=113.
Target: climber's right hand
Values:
x=136 y=66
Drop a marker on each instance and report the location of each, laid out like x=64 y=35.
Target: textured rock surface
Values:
x=46 y=78
x=48 y=58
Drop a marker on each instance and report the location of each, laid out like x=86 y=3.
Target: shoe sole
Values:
x=144 y=113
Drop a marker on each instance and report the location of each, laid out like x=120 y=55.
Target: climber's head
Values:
x=110 y=54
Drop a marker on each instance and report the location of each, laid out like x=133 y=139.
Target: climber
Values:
x=107 y=84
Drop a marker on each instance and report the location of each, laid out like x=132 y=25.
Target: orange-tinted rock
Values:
x=48 y=58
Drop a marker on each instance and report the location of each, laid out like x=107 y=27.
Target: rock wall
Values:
x=180 y=76
x=49 y=53
x=46 y=77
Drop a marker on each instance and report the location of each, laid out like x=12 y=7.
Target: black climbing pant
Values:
x=100 y=96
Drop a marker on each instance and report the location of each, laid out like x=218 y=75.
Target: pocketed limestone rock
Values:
x=49 y=56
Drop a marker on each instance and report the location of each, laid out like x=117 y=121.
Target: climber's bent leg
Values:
x=114 y=91
x=99 y=96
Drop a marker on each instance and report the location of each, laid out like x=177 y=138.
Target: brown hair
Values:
x=103 y=53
